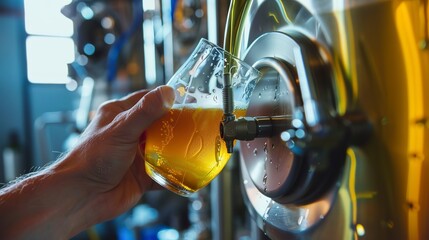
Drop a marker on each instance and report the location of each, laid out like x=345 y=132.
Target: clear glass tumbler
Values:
x=183 y=151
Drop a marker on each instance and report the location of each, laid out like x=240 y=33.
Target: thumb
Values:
x=148 y=109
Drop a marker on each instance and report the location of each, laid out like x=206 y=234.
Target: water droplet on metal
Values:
x=248 y=145
x=264 y=180
x=255 y=151
x=265 y=148
x=259 y=95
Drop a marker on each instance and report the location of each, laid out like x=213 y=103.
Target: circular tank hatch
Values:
x=290 y=178
x=296 y=82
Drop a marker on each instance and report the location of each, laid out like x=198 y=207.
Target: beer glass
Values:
x=183 y=151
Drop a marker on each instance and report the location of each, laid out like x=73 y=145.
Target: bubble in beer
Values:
x=166 y=133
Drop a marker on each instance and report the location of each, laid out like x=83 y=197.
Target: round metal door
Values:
x=352 y=77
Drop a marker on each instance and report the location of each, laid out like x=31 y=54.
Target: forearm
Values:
x=43 y=206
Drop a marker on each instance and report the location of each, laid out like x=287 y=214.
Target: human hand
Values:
x=100 y=178
x=107 y=162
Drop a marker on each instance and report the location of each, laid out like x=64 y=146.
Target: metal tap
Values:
x=249 y=128
x=228 y=107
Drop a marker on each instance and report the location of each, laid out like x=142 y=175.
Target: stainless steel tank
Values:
x=353 y=78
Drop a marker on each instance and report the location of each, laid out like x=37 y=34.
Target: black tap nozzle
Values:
x=249 y=128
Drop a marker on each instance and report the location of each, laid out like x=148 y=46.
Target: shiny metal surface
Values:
x=378 y=52
x=295 y=171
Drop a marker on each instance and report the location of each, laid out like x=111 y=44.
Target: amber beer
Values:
x=184 y=149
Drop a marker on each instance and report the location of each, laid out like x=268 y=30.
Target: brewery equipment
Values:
x=335 y=140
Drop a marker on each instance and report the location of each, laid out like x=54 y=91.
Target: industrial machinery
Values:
x=339 y=121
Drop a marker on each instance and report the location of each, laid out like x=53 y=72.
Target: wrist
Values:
x=73 y=196
x=43 y=205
